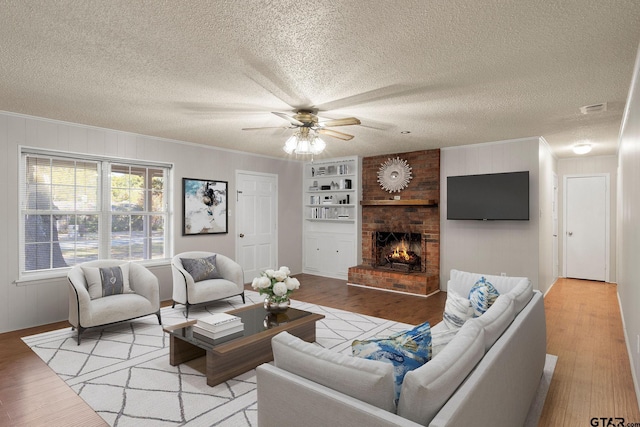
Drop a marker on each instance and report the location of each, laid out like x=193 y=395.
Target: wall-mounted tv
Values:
x=489 y=197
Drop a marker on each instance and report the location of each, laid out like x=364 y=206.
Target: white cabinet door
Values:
x=312 y=258
x=344 y=255
x=329 y=255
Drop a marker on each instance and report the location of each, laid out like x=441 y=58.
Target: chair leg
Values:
x=173 y=305
x=159 y=317
x=186 y=313
x=80 y=329
x=242 y=295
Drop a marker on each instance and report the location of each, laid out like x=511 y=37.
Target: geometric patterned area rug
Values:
x=123 y=371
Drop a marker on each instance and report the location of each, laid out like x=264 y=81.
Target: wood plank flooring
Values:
x=593 y=374
x=584 y=329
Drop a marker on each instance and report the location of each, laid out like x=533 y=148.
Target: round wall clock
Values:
x=394 y=175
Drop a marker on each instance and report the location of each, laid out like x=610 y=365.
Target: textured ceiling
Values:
x=451 y=72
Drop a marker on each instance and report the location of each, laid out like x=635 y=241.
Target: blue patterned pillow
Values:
x=405 y=350
x=482 y=295
x=201 y=268
x=457 y=310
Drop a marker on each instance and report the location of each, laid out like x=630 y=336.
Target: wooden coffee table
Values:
x=237 y=356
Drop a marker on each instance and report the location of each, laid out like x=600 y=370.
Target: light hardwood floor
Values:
x=584 y=329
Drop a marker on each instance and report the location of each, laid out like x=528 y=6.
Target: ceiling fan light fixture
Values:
x=304 y=146
x=290 y=144
x=317 y=145
x=582 y=148
x=306 y=139
x=304 y=142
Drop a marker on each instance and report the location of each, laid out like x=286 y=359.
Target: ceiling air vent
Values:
x=595 y=108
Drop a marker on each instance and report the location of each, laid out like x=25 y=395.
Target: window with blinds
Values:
x=81 y=209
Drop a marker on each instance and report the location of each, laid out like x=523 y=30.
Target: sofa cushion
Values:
x=440 y=338
x=368 y=380
x=105 y=281
x=497 y=319
x=482 y=295
x=457 y=310
x=201 y=268
x=117 y=308
x=521 y=294
x=426 y=389
x=406 y=350
x=463 y=281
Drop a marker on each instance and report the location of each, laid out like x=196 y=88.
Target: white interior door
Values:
x=586 y=227
x=257 y=230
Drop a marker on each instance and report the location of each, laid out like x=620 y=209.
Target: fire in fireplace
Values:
x=397 y=250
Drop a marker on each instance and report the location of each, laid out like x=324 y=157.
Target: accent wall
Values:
x=495 y=247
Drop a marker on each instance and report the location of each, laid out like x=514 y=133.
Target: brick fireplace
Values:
x=415 y=218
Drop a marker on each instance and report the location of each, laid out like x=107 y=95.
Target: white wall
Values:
x=628 y=273
x=36 y=303
x=547 y=167
x=495 y=247
x=585 y=166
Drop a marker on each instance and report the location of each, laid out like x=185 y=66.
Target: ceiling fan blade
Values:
x=335 y=134
x=340 y=122
x=269 y=127
x=292 y=120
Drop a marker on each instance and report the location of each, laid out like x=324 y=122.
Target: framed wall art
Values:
x=204 y=207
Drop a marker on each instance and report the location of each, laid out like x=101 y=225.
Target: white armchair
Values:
x=85 y=312
x=189 y=291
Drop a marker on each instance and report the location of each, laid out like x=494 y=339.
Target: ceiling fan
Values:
x=309 y=120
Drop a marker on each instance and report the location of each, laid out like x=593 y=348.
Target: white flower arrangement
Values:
x=276 y=284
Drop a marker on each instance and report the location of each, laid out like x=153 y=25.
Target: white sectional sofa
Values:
x=487 y=375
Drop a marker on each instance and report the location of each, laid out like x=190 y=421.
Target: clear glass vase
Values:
x=272 y=306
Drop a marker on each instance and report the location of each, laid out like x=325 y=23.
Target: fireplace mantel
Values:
x=405 y=202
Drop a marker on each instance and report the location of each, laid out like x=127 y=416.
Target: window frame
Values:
x=104 y=213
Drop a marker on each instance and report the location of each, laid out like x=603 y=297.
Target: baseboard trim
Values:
x=544 y=294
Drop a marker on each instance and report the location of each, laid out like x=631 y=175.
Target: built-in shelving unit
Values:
x=332 y=213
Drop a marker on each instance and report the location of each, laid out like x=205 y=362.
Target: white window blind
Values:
x=76 y=209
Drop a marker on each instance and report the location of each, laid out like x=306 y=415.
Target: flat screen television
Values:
x=489 y=197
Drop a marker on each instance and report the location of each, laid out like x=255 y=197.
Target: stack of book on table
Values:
x=218 y=328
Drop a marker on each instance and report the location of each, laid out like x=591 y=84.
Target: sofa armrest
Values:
x=181 y=281
x=230 y=270
x=79 y=300
x=143 y=282
x=284 y=397
x=499 y=391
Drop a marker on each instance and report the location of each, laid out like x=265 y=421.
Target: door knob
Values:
x=571 y=233
x=241 y=235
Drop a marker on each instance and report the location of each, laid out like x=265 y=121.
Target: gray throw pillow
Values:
x=105 y=281
x=201 y=268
